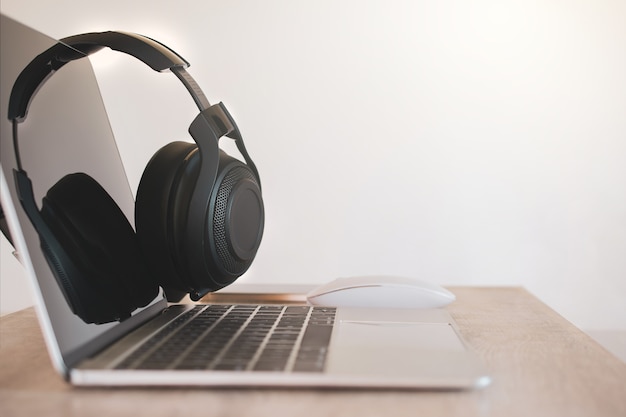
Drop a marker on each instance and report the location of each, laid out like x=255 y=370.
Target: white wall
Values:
x=467 y=143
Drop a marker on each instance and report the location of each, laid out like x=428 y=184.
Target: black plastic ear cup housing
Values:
x=238 y=218
x=233 y=223
x=107 y=278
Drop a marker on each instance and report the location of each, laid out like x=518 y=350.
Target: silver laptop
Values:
x=193 y=344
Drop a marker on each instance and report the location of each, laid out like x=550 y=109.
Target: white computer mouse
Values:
x=380 y=291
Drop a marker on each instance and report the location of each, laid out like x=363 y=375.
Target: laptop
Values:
x=219 y=343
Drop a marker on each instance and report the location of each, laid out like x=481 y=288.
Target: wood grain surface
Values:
x=541 y=366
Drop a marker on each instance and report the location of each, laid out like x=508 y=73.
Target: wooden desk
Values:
x=540 y=363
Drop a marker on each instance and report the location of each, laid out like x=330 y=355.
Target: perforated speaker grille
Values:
x=228 y=261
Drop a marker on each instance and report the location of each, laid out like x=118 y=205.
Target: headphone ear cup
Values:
x=233 y=220
x=103 y=272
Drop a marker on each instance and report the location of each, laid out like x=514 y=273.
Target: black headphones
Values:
x=199 y=213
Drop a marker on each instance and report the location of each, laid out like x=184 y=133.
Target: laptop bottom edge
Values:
x=159 y=378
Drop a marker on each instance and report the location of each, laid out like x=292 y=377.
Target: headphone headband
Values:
x=154 y=54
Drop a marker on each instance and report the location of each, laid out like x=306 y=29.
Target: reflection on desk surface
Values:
x=259 y=294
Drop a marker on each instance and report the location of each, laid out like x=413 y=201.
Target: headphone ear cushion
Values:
x=155 y=209
x=108 y=273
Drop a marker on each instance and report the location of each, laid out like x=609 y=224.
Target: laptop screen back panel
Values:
x=67 y=130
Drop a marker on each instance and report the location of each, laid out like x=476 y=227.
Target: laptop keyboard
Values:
x=240 y=338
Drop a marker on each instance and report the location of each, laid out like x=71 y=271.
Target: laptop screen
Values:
x=66 y=131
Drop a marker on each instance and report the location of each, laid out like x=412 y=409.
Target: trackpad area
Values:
x=416 y=336
x=388 y=348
